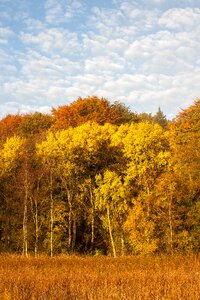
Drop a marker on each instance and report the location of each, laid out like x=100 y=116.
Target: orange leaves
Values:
x=10 y=125
x=81 y=111
x=189 y=119
x=24 y=125
x=91 y=109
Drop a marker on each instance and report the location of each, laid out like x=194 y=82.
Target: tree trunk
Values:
x=25 y=230
x=7 y=224
x=122 y=243
x=36 y=228
x=34 y=209
x=74 y=234
x=92 y=220
x=170 y=221
x=51 y=214
x=110 y=232
x=69 y=221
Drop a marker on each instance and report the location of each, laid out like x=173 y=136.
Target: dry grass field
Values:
x=99 y=278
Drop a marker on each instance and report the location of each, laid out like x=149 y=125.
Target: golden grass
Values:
x=99 y=278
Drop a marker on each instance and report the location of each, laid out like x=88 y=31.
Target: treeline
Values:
x=95 y=178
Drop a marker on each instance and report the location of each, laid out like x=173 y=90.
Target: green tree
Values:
x=160 y=118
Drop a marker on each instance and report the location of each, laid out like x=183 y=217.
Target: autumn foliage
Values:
x=95 y=178
x=91 y=109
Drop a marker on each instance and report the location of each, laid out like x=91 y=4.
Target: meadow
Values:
x=99 y=278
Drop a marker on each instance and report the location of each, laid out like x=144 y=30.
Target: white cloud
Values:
x=8 y=68
x=181 y=18
x=103 y=65
x=5 y=34
x=35 y=65
x=147 y=93
x=58 y=12
x=16 y=108
x=131 y=52
x=52 y=40
x=34 y=25
x=164 y=52
x=157 y=1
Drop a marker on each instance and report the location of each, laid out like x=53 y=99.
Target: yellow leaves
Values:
x=48 y=151
x=82 y=146
x=146 y=148
x=9 y=153
x=91 y=135
x=110 y=191
x=140 y=230
x=143 y=137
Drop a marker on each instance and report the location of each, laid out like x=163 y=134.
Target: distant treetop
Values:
x=91 y=109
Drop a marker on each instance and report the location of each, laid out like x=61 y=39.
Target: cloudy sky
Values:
x=144 y=53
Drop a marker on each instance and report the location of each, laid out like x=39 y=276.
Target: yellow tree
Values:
x=184 y=137
x=97 y=155
x=89 y=153
x=10 y=154
x=78 y=154
x=111 y=202
x=48 y=153
x=147 y=152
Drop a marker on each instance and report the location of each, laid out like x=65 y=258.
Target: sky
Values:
x=145 y=53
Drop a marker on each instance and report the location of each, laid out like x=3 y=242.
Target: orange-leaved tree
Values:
x=92 y=109
x=9 y=126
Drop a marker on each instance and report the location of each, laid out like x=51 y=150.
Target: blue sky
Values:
x=143 y=53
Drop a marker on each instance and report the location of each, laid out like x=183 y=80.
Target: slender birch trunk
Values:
x=110 y=232
x=25 y=216
x=92 y=221
x=170 y=220
x=69 y=220
x=74 y=234
x=51 y=214
x=34 y=209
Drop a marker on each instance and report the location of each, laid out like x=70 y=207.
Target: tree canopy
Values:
x=94 y=177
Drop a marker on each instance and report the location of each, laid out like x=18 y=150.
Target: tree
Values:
x=160 y=118
x=184 y=136
x=145 y=117
x=35 y=123
x=80 y=154
x=147 y=152
x=112 y=184
x=111 y=201
x=121 y=114
x=9 y=162
x=9 y=154
x=9 y=126
x=91 y=109
x=47 y=151
x=96 y=154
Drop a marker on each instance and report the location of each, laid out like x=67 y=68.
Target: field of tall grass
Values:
x=99 y=278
